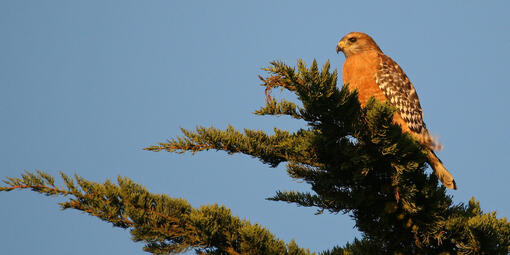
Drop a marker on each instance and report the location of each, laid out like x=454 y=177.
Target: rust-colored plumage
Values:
x=374 y=74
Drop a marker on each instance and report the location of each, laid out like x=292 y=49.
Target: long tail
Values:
x=440 y=171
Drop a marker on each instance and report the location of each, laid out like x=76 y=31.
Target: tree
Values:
x=355 y=159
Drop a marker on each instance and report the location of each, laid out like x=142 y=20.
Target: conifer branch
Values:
x=281 y=107
x=270 y=149
x=303 y=199
x=166 y=225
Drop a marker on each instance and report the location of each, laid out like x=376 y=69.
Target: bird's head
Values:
x=356 y=42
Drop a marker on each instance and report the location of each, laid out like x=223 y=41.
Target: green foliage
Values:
x=166 y=225
x=355 y=160
x=357 y=247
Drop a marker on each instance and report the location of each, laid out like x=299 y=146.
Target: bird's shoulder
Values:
x=390 y=75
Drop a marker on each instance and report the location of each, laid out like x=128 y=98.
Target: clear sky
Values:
x=85 y=85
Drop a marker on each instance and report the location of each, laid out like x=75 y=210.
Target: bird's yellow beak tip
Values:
x=340 y=46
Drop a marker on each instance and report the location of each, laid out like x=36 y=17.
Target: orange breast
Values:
x=359 y=72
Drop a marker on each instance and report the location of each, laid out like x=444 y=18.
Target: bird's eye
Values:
x=352 y=39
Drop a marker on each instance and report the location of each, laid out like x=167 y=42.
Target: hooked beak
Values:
x=340 y=47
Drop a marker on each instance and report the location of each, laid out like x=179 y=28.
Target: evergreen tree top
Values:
x=355 y=159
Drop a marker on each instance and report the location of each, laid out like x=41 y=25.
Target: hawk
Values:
x=373 y=74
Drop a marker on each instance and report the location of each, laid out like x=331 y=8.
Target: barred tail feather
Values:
x=440 y=171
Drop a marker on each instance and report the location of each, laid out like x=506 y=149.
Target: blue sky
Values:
x=85 y=85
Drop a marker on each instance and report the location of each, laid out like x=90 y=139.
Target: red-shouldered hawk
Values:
x=374 y=74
